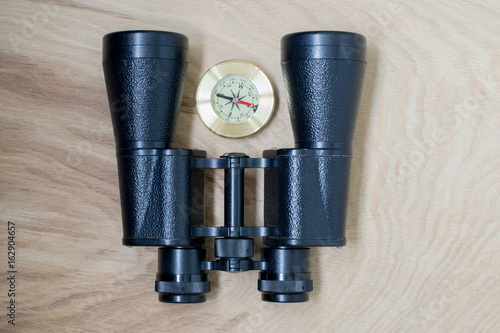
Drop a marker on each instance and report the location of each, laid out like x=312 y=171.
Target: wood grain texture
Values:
x=423 y=251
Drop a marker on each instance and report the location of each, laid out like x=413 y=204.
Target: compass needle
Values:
x=226 y=97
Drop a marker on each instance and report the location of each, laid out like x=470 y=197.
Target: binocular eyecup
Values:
x=305 y=187
x=180 y=278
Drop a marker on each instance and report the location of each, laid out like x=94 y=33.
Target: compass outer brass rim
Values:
x=204 y=98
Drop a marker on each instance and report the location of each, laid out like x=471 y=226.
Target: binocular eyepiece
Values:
x=162 y=188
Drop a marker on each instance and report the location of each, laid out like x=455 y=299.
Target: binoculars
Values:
x=162 y=188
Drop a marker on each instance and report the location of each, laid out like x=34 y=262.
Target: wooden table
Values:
x=423 y=251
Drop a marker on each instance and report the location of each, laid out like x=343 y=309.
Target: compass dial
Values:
x=235 y=99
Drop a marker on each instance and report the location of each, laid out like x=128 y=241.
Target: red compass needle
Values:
x=245 y=103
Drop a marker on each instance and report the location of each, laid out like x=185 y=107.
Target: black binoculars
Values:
x=162 y=188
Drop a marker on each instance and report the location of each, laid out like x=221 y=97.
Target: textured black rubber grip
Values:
x=144 y=73
x=323 y=73
x=161 y=196
x=306 y=197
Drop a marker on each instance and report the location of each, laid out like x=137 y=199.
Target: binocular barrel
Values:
x=323 y=73
x=306 y=196
x=161 y=196
x=162 y=188
x=144 y=72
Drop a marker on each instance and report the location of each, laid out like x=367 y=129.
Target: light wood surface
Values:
x=424 y=207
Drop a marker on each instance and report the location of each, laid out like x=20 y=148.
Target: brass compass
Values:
x=235 y=99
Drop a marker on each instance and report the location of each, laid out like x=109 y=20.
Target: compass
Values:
x=235 y=99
